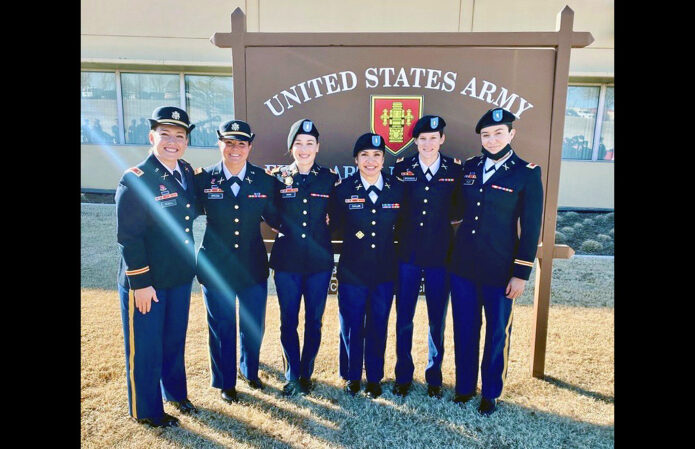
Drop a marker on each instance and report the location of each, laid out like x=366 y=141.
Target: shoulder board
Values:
x=184 y=162
x=472 y=157
x=135 y=170
x=333 y=171
x=337 y=183
x=198 y=171
x=531 y=165
x=457 y=161
x=399 y=159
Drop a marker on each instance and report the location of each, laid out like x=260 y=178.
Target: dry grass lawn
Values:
x=572 y=408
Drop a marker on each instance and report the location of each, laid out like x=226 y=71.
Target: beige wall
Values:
x=586 y=184
x=178 y=32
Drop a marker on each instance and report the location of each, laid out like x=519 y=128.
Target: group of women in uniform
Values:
x=307 y=206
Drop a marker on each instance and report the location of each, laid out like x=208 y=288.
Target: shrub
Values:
x=591 y=246
x=611 y=232
x=605 y=238
x=588 y=221
x=578 y=226
x=571 y=215
x=567 y=230
x=560 y=237
x=610 y=216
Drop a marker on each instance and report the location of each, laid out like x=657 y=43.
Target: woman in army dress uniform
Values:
x=367 y=209
x=302 y=256
x=500 y=202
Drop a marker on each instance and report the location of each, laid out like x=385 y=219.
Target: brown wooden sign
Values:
x=352 y=83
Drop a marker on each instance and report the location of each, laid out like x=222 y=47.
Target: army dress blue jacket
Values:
x=233 y=253
x=368 y=230
x=154 y=221
x=303 y=244
x=427 y=236
x=488 y=247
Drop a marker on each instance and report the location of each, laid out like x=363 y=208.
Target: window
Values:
x=588 y=119
x=116 y=106
x=209 y=102
x=605 y=151
x=99 y=109
x=142 y=94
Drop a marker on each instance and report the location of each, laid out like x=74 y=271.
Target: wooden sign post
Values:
x=334 y=77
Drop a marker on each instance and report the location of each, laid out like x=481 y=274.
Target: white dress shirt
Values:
x=379 y=184
x=240 y=175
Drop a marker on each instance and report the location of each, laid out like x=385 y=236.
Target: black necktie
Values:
x=428 y=172
x=177 y=176
x=235 y=180
x=492 y=168
x=374 y=189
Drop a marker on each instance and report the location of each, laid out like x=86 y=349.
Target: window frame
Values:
x=598 y=127
x=119 y=94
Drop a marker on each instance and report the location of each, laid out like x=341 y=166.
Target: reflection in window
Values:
x=142 y=94
x=606 y=147
x=580 y=122
x=209 y=102
x=99 y=111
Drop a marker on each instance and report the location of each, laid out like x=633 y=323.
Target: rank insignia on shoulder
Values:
x=457 y=161
x=333 y=171
x=531 y=165
x=399 y=159
x=472 y=157
x=198 y=171
x=135 y=170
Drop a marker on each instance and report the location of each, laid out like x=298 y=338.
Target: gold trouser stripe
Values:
x=209 y=348
x=131 y=314
x=523 y=262
x=505 y=351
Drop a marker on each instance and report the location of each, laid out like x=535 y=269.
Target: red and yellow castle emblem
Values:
x=393 y=118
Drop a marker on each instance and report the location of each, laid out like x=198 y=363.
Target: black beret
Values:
x=369 y=141
x=303 y=126
x=429 y=124
x=170 y=115
x=236 y=130
x=495 y=116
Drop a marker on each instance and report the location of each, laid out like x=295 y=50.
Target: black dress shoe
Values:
x=306 y=385
x=463 y=398
x=487 y=406
x=184 y=406
x=291 y=388
x=253 y=383
x=166 y=421
x=229 y=395
x=401 y=389
x=373 y=389
x=352 y=387
x=434 y=391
